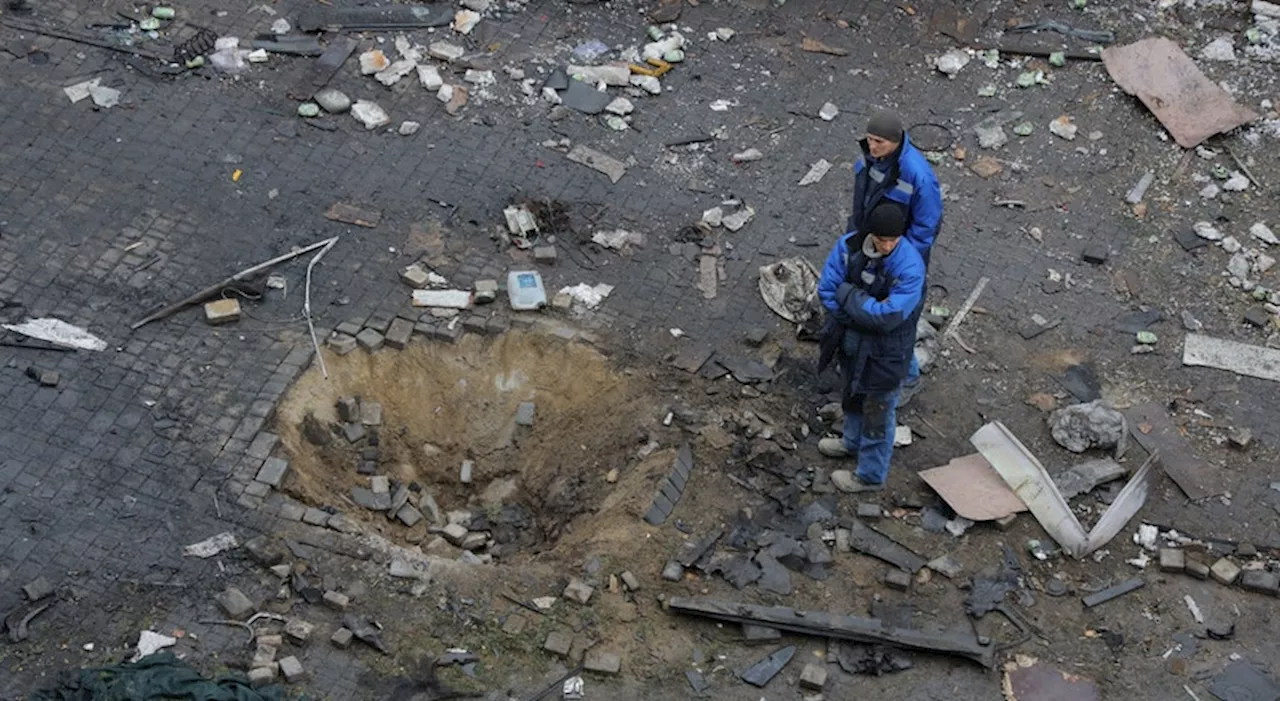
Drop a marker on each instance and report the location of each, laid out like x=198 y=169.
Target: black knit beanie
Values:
x=887 y=221
x=886 y=125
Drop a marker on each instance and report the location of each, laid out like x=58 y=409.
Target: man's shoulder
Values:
x=906 y=259
x=914 y=166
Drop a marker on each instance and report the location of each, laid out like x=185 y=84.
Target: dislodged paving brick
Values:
x=898 y=579
x=341 y=343
x=353 y=432
x=559 y=642
x=486 y=291
x=38 y=589
x=222 y=311
x=1197 y=569
x=474 y=541
x=262 y=676
x=578 y=591
x=630 y=581
x=602 y=661
x=1225 y=571
x=298 y=629
x=409 y=516
x=348 y=409
x=1172 y=560
x=336 y=600
x=1261 y=581
x=264 y=551
x=813 y=677
x=273 y=471
x=262 y=445
x=292 y=670
x=370 y=340
x=237 y=606
x=315 y=517
x=341 y=638
x=524 y=414
x=454 y=533
x=371 y=413
x=380 y=484
x=399 y=334
x=515 y=624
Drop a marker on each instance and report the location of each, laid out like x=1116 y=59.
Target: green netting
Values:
x=156 y=677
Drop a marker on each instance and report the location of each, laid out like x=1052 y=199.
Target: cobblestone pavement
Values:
x=152 y=444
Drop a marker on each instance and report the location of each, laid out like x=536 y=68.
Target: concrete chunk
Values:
x=524 y=414
x=38 y=589
x=371 y=413
x=408 y=515
x=262 y=676
x=455 y=533
x=898 y=579
x=558 y=642
x=399 y=334
x=298 y=629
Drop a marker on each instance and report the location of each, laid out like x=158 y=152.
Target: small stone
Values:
x=262 y=676
x=371 y=412
x=1257 y=316
x=341 y=343
x=369 y=339
x=308 y=110
x=755 y=336
x=630 y=581
x=336 y=600
x=292 y=670
x=474 y=541
x=222 y=311
x=524 y=414
x=869 y=510
x=545 y=254
x=1172 y=560
x=828 y=112
x=237 y=606
x=558 y=642
x=1096 y=254
x=341 y=638
x=38 y=589
x=897 y=579
x=578 y=591
x=409 y=128
x=1240 y=438
x=620 y=106
x=1247 y=550
x=273 y=471
x=415 y=276
x=1225 y=571
x=264 y=551
x=281 y=570
x=409 y=516
x=673 y=571
x=315 y=517
x=1261 y=581
x=370 y=114
x=464 y=474
x=333 y=101
x=748 y=156
x=602 y=661
x=1064 y=128
x=1190 y=323
x=813 y=676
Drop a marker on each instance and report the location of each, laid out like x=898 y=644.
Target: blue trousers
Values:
x=913 y=374
x=868 y=433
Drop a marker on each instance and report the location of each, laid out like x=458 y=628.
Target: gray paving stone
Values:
x=273 y=471
x=315 y=517
x=371 y=413
x=257 y=489
x=262 y=445
x=341 y=343
x=370 y=340
x=235 y=604
x=399 y=333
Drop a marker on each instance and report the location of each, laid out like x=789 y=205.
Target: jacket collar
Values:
x=891 y=158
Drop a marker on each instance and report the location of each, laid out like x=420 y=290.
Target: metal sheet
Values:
x=973 y=489
x=1168 y=82
x=869 y=541
x=1232 y=356
x=1032 y=483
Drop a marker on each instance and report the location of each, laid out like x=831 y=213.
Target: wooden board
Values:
x=973 y=489
x=1153 y=430
x=1168 y=82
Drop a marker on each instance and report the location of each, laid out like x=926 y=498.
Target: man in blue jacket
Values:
x=871 y=286
x=893 y=170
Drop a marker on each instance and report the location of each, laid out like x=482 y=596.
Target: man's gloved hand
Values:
x=851 y=297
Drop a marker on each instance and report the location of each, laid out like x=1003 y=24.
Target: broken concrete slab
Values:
x=1232 y=356
x=1027 y=679
x=1188 y=104
x=236 y=605
x=1241 y=681
x=869 y=541
x=1095 y=424
x=604 y=163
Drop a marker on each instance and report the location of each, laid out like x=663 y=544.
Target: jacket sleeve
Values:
x=870 y=315
x=833 y=274
x=926 y=209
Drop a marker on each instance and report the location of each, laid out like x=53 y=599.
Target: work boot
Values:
x=849 y=483
x=833 y=448
x=909 y=391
